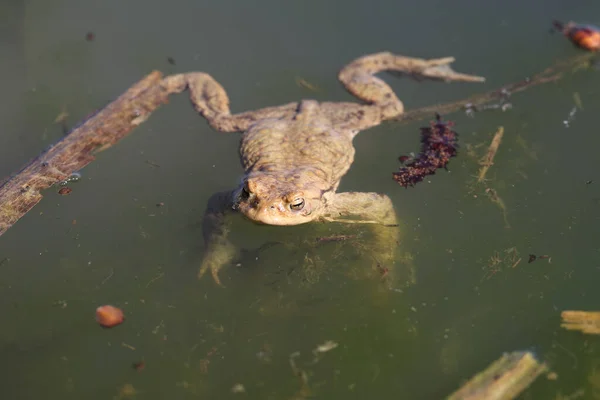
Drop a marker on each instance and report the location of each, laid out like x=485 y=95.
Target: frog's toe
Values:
x=214 y=271
x=441 y=69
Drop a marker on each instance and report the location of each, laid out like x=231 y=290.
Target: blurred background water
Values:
x=108 y=243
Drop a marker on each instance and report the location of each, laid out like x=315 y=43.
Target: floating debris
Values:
x=488 y=160
x=238 y=388
x=438 y=145
x=570 y=117
x=109 y=316
x=493 y=196
x=325 y=347
x=405 y=159
x=533 y=257
x=504 y=379
x=61 y=118
x=584 y=321
x=306 y=84
x=139 y=366
x=90 y=36
x=335 y=238
x=171 y=60
x=65 y=190
x=126 y=391
x=584 y=36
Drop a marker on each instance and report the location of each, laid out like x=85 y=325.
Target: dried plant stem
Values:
x=488 y=159
x=504 y=379
x=584 y=321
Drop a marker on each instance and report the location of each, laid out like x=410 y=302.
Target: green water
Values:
x=198 y=340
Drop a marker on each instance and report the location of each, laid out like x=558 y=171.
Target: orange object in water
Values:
x=584 y=36
x=109 y=316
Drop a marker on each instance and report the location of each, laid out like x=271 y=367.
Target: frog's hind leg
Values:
x=377 y=211
x=210 y=99
x=359 y=78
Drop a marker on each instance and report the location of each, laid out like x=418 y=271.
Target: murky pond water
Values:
x=108 y=242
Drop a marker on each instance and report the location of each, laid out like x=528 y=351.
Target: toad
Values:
x=294 y=155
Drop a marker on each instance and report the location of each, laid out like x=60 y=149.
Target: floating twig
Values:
x=112 y=272
x=157 y=277
x=488 y=160
x=583 y=321
x=504 y=379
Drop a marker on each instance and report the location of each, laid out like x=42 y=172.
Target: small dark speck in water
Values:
x=65 y=190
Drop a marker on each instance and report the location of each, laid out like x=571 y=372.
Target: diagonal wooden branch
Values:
x=22 y=191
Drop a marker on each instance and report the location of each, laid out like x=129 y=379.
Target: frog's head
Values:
x=277 y=200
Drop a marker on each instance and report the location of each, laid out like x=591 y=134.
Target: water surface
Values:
x=108 y=242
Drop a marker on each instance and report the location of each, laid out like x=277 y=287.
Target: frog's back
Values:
x=291 y=146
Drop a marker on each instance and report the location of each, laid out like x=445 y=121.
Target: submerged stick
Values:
x=583 y=321
x=488 y=159
x=21 y=192
x=505 y=379
x=550 y=74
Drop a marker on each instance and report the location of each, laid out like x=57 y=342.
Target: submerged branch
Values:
x=551 y=74
x=21 y=192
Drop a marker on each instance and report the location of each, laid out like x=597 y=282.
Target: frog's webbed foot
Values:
x=216 y=257
x=359 y=78
x=210 y=99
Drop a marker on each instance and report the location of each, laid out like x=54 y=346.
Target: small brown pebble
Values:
x=65 y=191
x=90 y=36
x=109 y=316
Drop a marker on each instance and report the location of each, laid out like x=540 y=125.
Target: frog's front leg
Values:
x=218 y=250
x=210 y=99
x=378 y=211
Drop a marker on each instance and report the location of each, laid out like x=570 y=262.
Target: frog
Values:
x=294 y=155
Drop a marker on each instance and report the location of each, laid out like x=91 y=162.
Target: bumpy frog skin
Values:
x=295 y=155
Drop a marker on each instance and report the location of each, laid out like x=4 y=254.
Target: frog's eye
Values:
x=297 y=204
